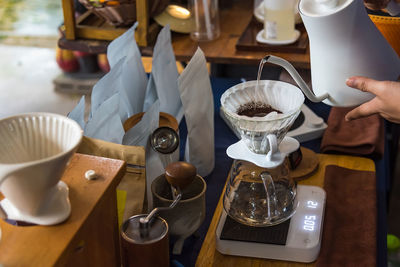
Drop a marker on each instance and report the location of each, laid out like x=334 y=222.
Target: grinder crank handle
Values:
x=145 y=220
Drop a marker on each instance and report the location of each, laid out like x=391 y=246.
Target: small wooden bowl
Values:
x=165 y=120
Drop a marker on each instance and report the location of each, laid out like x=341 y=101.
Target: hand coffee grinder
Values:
x=266 y=215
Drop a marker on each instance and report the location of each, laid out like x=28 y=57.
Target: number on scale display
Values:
x=309 y=220
x=312 y=204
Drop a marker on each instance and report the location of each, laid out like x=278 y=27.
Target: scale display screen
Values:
x=306 y=226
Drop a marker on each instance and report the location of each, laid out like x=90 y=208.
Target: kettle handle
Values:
x=393 y=8
x=296 y=76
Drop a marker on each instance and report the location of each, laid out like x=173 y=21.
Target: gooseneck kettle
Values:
x=344 y=42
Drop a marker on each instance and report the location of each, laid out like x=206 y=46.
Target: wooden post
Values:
x=142 y=16
x=69 y=19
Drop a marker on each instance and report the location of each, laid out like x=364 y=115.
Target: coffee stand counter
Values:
x=200 y=251
x=77 y=241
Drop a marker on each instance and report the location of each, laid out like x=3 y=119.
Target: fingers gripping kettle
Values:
x=344 y=42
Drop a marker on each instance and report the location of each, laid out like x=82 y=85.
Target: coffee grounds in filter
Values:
x=255 y=109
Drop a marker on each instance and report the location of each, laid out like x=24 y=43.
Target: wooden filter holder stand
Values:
x=89 y=237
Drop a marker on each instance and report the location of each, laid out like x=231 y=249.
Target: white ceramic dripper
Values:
x=344 y=42
x=254 y=131
x=34 y=152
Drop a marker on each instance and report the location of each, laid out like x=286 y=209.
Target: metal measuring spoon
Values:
x=164 y=140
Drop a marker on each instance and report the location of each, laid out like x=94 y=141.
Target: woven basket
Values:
x=390 y=29
x=124 y=14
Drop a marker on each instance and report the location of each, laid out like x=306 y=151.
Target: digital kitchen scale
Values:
x=296 y=240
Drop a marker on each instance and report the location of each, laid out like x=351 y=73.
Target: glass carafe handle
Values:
x=269 y=186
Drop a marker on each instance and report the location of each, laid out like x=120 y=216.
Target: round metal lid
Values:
x=133 y=231
x=164 y=140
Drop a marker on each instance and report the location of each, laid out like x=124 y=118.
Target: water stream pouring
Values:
x=344 y=42
x=34 y=152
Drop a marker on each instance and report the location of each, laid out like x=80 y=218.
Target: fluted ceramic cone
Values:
x=34 y=153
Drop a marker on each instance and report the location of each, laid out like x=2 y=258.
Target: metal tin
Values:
x=188 y=214
x=133 y=232
x=145 y=246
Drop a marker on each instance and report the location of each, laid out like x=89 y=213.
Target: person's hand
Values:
x=376 y=4
x=386 y=102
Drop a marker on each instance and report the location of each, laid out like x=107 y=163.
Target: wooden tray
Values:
x=248 y=42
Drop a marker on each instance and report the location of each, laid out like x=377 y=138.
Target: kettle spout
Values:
x=296 y=76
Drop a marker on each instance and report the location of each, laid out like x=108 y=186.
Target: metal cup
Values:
x=188 y=214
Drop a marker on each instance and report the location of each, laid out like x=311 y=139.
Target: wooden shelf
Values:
x=233 y=22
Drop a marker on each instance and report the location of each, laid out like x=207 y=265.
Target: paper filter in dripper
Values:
x=284 y=98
